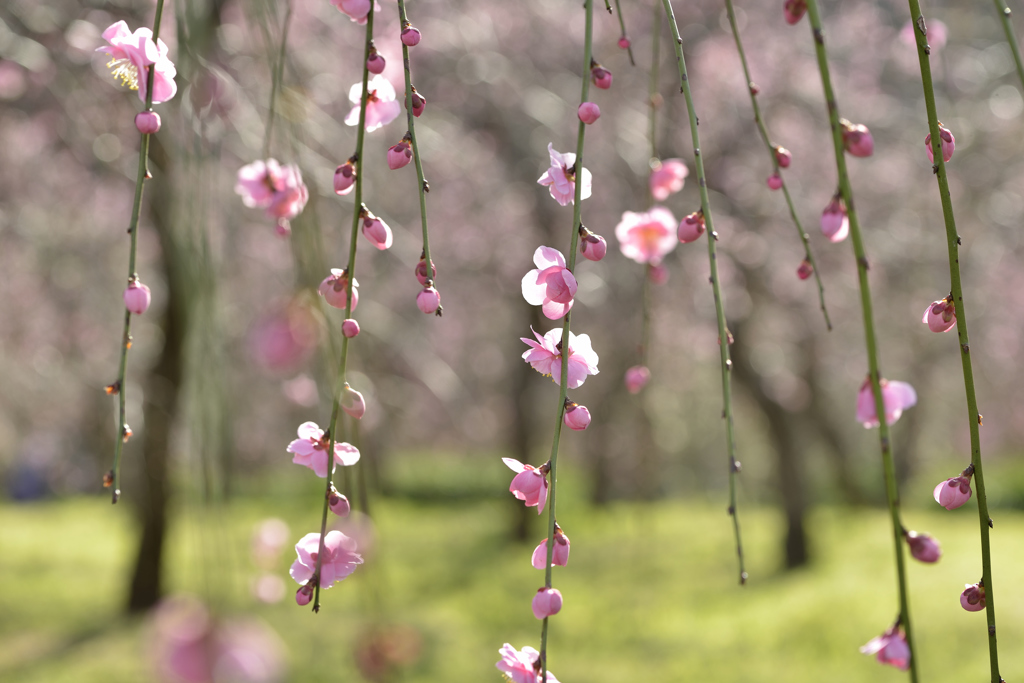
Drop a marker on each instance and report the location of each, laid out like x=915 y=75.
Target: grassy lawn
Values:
x=650 y=591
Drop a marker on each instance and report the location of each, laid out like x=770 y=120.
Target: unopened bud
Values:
x=344 y=178
x=691 y=227
x=350 y=327
x=428 y=300
x=352 y=402
x=411 y=36
x=147 y=122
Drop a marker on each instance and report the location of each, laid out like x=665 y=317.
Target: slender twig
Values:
x=423 y=186
x=343 y=363
x=1004 y=16
x=118 y=387
x=724 y=336
x=953 y=247
x=891 y=490
x=763 y=130
x=653 y=96
x=622 y=25
x=276 y=78
x=577 y=222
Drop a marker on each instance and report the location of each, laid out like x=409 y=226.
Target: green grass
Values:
x=650 y=591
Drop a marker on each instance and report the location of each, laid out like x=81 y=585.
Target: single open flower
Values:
x=339 y=559
x=545 y=356
x=896 y=397
x=530 y=484
x=940 y=316
x=923 y=547
x=972 y=599
x=521 y=666
x=890 y=648
x=955 y=491
x=835 y=223
x=381 y=106
x=547 y=602
x=647 y=237
x=560 y=178
x=857 y=139
x=276 y=189
x=310 y=450
x=131 y=55
x=334 y=289
x=560 y=555
x=667 y=177
x=550 y=285
x=948 y=144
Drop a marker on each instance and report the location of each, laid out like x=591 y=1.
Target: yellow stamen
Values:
x=125 y=71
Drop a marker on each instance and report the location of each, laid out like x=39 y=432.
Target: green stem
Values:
x=277 y=77
x=622 y=25
x=645 y=327
x=423 y=186
x=343 y=363
x=577 y=222
x=133 y=230
x=953 y=247
x=724 y=335
x=763 y=130
x=891 y=490
x=1004 y=16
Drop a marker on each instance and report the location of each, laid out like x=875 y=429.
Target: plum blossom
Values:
x=561 y=177
x=311 y=446
x=794 y=10
x=940 y=316
x=647 y=237
x=381 y=106
x=339 y=559
x=667 y=177
x=948 y=144
x=276 y=189
x=357 y=10
x=972 y=599
x=923 y=547
x=896 y=397
x=334 y=289
x=576 y=417
x=774 y=181
x=593 y=247
x=522 y=666
x=691 y=227
x=131 y=54
x=545 y=355
x=559 y=557
x=147 y=122
x=835 y=223
x=955 y=491
x=550 y=285
x=890 y=648
x=547 y=602
x=857 y=139
x=137 y=297
x=530 y=484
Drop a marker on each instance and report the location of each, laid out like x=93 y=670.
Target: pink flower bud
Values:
x=624 y=42
x=948 y=144
x=923 y=547
x=601 y=77
x=658 y=274
x=399 y=155
x=350 y=327
x=972 y=599
x=559 y=557
x=588 y=112
x=774 y=181
x=352 y=402
x=338 y=503
x=691 y=227
x=835 y=224
x=377 y=231
x=857 y=139
x=890 y=648
x=375 y=63
x=593 y=247
x=304 y=595
x=804 y=270
x=411 y=36
x=428 y=300
x=783 y=157
x=547 y=602
x=576 y=417
x=137 y=297
x=148 y=122
x=794 y=10
x=954 y=492
x=344 y=178
x=421 y=271
x=940 y=316
x=637 y=378
x=334 y=289
x=419 y=103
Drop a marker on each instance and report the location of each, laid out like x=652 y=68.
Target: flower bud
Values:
x=940 y=316
x=576 y=417
x=147 y=122
x=601 y=77
x=774 y=181
x=624 y=42
x=352 y=402
x=593 y=247
x=948 y=144
x=794 y=10
x=637 y=378
x=559 y=557
x=375 y=62
x=547 y=602
x=344 y=178
x=334 y=289
x=588 y=112
x=419 y=103
x=338 y=503
x=411 y=36
x=953 y=492
x=783 y=157
x=377 y=231
x=350 y=327
x=137 y=297
x=835 y=224
x=857 y=139
x=691 y=227
x=972 y=599
x=428 y=300
x=804 y=270
x=923 y=547
x=421 y=271
x=304 y=595
x=399 y=155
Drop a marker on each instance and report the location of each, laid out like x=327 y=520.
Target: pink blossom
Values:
x=774 y=181
x=923 y=547
x=375 y=62
x=576 y=417
x=593 y=247
x=624 y=43
x=890 y=648
x=530 y=484
x=522 y=667
x=955 y=491
x=137 y=297
x=339 y=559
x=637 y=378
x=547 y=602
x=344 y=178
x=667 y=177
x=559 y=557
x=377 y=231
x=304 y=595
x=400 y=155
x=428 y=300
x=357 y=10
x=691 y=227
x=973 y=597
x=411 y=36
x=381 y=106
x=857 y=139
x=561 y=177
x=600 y=76
x=948 y=144
x=352 y=402
x=550 y=285
x=794 y=10
x=130 y=56
x=545 y=355
x=310 y=450
x=804 y=270
x=783 y=157
x=835 y=224
x=588 y=112
x=419 y=102
x=421 y=271
x=147 y=122
x=896 y=397
x=647 y=237
x=334 y=289
x=338 y=503
x=350 y=327
x=940 y=316
x=276 y=189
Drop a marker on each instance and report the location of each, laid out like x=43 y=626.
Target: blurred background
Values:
x=231 y=356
